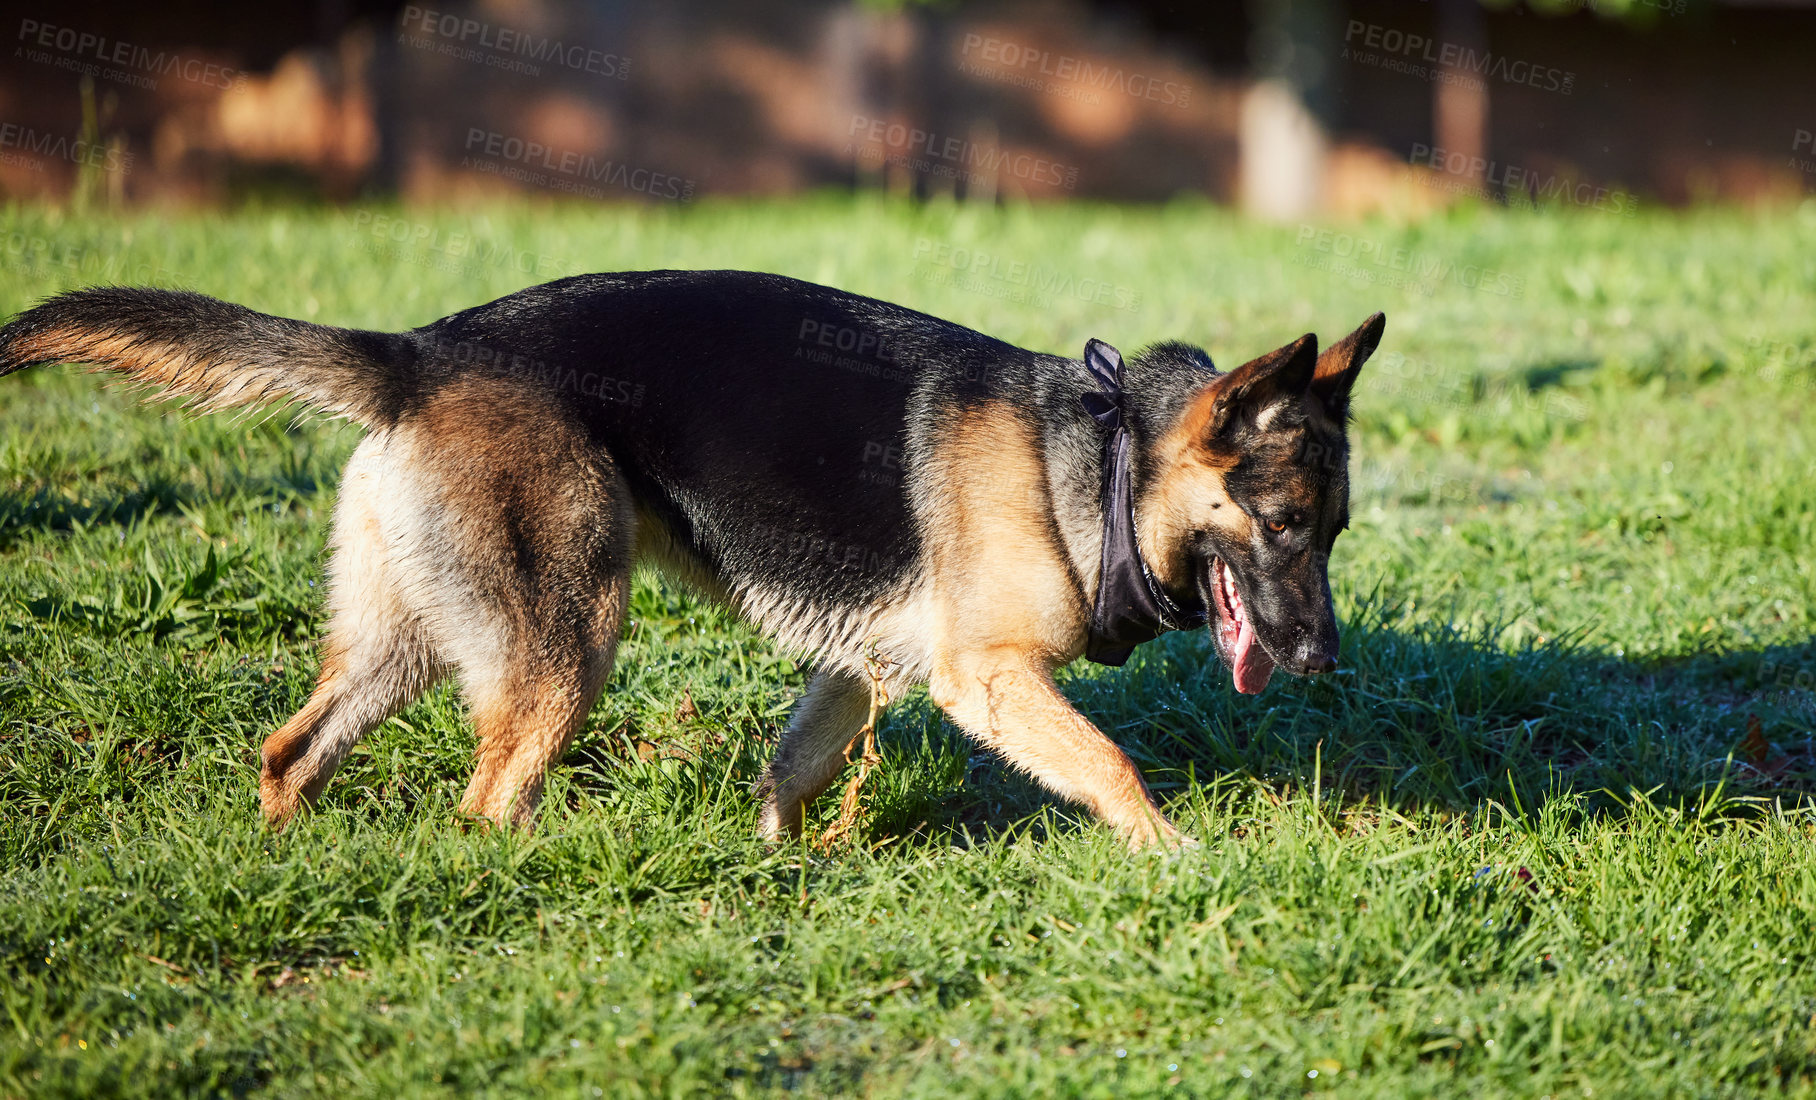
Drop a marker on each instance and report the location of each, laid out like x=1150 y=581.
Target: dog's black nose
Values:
x=1316 y=663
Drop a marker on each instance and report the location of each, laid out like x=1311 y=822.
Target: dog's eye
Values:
x=1276 y=526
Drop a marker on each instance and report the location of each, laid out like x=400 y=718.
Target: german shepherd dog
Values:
x=859 y=480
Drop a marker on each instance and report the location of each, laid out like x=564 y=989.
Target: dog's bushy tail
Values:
x=218 y=354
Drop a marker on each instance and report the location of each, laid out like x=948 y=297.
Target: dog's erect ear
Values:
x=1341 y=362
x=1282 y=373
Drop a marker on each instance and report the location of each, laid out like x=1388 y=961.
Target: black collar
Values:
x=1131 y=606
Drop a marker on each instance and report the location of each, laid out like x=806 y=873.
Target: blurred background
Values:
x=1282 y=108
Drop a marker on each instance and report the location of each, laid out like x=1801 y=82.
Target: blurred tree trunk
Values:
x=386 y=175
x=1459 y=98
x=1286 y=115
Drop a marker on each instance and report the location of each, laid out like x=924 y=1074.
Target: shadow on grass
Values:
x=64 y=509
x=1543 y=376
x=1420 y=718
x=71 y=507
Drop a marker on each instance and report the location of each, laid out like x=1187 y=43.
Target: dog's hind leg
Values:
x=528 y=714
x=813 y=750
x=362 y=683
x=375 y=660
x=522 y=536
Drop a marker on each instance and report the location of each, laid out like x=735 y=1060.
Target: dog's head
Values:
x=1256 y=490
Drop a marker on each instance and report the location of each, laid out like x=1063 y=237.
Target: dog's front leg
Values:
x=1007 y=701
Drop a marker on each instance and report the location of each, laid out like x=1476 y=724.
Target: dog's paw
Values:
x=773 y=825
x=1156 y=835
x=1173 y=844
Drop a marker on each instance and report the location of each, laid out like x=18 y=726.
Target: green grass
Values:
x=1523 y=844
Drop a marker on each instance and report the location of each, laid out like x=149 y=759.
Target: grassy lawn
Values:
x=1550 y=831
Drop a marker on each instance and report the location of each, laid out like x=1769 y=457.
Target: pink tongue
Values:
x=1253 y=666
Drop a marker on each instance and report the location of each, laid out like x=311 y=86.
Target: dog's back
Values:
x=768 y=428
x=767 y=425
x=794 y=449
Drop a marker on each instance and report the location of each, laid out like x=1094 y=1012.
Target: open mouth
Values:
x=1248 y=661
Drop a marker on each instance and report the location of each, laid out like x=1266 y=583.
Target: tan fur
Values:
x=1007 y=611
x=839 y=637
x=1005 y=698
x=438 y=514
x=658 y=548
x=208 y=383
x=812 y=752
x=997 y=569
x=486 y=536
x=1004 y=605
x=165 y=366
x=481 y=530
x=1187 y=491
x=376 y=658
x=1194 y=426
x=159 y=365
x=526 y=723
